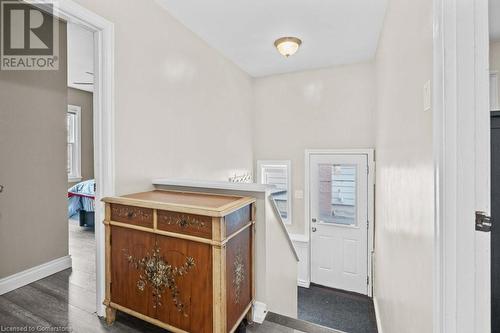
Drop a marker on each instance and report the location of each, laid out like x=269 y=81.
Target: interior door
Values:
x=339 y=217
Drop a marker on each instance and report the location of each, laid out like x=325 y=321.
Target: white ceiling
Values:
x=494 y=19
x=333 y=31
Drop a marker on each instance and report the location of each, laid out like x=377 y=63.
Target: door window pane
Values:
x=337 y=193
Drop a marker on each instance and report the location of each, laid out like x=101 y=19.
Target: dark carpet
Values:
x=336 y=309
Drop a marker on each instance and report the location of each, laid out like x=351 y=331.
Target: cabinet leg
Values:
x=110 y=315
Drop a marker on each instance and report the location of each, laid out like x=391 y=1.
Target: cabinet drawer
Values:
x=188 y=224
x=132 y=215
x=237 y=220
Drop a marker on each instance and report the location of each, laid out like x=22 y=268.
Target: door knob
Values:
x=314 y=220
x=313 y=229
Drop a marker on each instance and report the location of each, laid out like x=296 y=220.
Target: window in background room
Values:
x=278 y=173
x=73 y=121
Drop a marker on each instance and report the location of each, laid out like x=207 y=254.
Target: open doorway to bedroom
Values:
x=80 y=157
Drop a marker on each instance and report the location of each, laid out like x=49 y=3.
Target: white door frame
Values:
x=461 y=131
x=494 y=92
x=370 y=153
x=103 y=104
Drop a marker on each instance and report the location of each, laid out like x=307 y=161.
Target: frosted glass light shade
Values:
x=287 y=46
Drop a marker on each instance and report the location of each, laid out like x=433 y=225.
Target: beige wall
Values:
x=326 y=108
x=495 y=60
x=182 y=110
x=84 y=100
x=404 y=195
x=33 y=222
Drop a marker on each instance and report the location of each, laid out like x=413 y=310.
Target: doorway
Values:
x=103 y=121
x=339 y=215
x=339 y=221
x=80 y=156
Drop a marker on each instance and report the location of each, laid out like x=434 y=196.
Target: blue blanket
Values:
x=81 y=197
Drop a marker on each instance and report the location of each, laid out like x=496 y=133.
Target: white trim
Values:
x=220 y=185
x=460 y=50
x=494 y=91
x=104 y=149
x=482 y=166
x=303 y=283
x=370 y=153
x=439 y=310
x=76 y=175
x=33 y=274
x=259 y=312
x=74 y=179
x=299 y=238
x=377 y=315
x=301 y=244
x=279 y=163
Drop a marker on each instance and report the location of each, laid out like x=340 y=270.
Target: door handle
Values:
x=313 y=229
x=314 y=220
x=1 y=188
x=483 y=222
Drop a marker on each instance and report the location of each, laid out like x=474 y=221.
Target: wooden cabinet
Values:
x=182 y=261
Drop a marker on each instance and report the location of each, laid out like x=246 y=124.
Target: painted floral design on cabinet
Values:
x=239 y=272
x=161 y=275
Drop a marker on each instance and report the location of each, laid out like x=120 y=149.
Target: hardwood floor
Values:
x=82 y=250
x=65 y=302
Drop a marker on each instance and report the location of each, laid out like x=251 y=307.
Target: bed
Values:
x=81 y=201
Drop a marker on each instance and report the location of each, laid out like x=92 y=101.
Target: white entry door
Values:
x=339 y=216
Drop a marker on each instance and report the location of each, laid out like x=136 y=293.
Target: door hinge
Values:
x=367 y=280
x=367 y=224
x=483 y=222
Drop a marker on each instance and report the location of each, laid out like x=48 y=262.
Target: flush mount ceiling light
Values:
x=287 y=46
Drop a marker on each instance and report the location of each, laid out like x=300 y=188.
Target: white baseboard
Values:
x=303 y=283
x=377 y=315
x=259 y=312
x=33 y=274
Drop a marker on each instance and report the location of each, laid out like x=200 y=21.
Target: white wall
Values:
x=182 y=110
x=301 y=243
x=325 y=108
x=80 y=58
x=404 y=195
